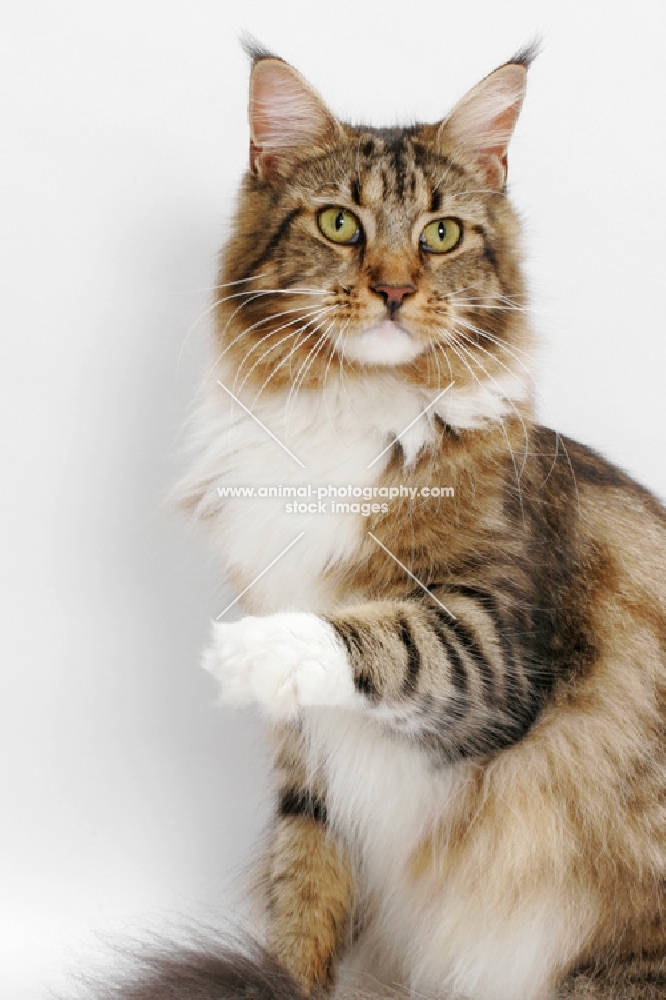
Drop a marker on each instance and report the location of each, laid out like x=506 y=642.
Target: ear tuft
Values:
x=287 y=117
x=254 y=49
x=482 y=124
x=526 y=56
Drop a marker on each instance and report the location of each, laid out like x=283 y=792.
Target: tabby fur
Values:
x=466 y=694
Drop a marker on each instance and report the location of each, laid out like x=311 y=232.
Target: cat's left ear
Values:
x=482 y=124
x=288 y=118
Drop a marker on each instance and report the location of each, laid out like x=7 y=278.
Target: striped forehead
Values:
x=393 y=175
x=396 y=180
x=389 y=174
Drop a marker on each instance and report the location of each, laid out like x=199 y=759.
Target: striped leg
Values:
x=310 y=891
x=458 y=683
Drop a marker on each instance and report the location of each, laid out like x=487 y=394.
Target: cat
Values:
x=464 y=668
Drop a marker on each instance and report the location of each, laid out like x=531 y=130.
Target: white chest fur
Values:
x=335 y=436
x=381 y=792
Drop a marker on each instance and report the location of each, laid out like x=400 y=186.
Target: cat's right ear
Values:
x=288 y=118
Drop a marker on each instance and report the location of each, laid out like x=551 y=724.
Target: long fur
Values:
x=200 y=971
x=467 y=694
x=248 y=972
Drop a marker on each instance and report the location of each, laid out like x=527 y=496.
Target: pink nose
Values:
x=393 y=294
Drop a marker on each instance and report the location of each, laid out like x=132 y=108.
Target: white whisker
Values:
x=299 y=343
x=266 y=319
x=302 y=372
x=238 y=308
x=456 y=318
x=332 y=354
x=458 y=321
x=462 y=354
x=459 y=333
x=312 y=317
x=228 y=284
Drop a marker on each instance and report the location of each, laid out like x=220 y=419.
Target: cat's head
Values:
x=358 y=248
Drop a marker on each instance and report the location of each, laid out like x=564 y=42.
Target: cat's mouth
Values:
x=387 y=342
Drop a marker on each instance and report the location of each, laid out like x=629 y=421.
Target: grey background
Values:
x=129 y=800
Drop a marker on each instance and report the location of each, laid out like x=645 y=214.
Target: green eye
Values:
x=441 y=236
x=339 y=225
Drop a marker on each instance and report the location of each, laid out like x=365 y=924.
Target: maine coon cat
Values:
x=465 y=688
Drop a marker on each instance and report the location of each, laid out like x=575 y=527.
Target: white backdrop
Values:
x=127 y=797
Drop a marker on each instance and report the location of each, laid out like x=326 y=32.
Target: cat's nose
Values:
x=393 y=295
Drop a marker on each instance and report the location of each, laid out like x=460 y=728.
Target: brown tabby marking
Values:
x=310 y=899
x=547 y=684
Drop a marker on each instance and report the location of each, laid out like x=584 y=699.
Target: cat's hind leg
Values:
x=310 y=892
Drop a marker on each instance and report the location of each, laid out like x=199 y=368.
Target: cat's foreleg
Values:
x=281 y=662
x=455 y=680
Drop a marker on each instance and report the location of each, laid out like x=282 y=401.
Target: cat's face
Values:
x=359 y=247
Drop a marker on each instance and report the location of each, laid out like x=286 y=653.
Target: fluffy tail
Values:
x=250 y=973
x=191 y=973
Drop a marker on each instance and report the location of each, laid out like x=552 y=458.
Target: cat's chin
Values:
x=384 y=343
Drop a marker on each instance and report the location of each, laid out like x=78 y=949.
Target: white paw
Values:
x=282 y=662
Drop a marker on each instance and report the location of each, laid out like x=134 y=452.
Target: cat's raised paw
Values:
x=282 y=662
